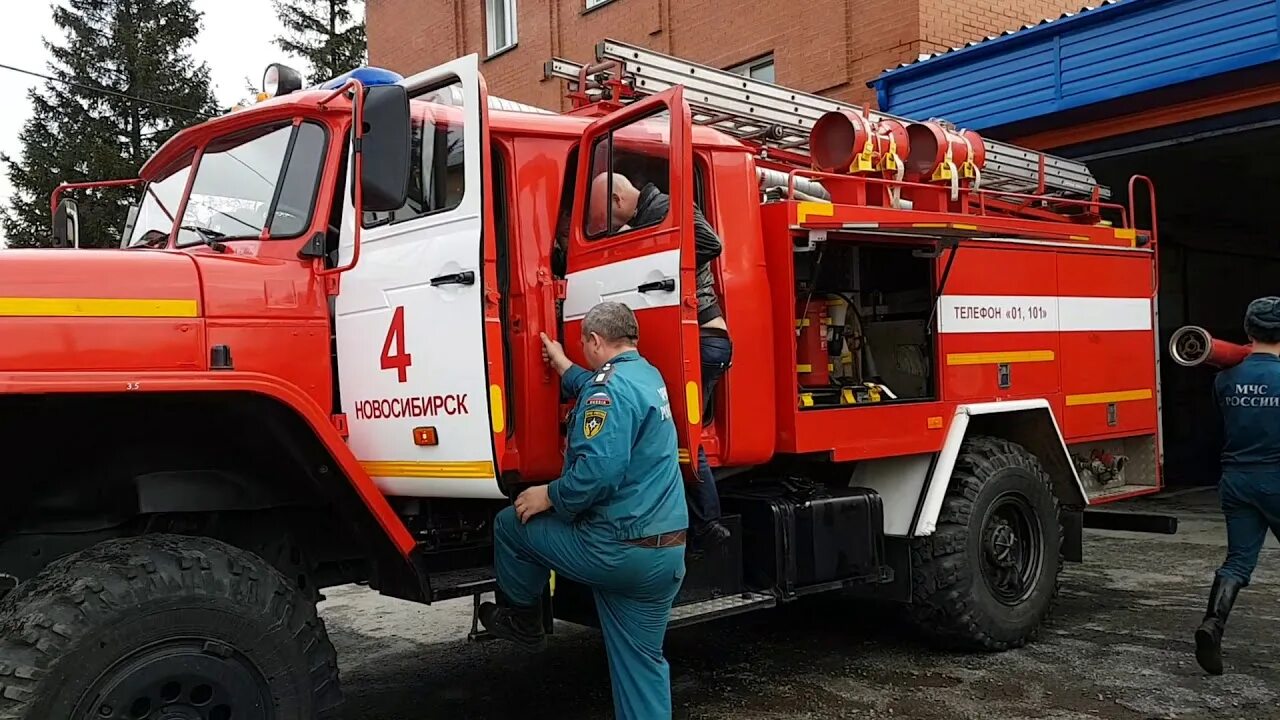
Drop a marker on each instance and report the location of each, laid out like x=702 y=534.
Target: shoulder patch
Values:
x=600 y=398
x=602 y=375
x=593 y=421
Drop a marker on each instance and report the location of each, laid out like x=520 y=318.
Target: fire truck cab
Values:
x=320 y=342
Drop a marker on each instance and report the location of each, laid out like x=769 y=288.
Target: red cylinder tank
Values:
x=930 y=143
x=838 y=143
x=836 y=139
x=811 y=344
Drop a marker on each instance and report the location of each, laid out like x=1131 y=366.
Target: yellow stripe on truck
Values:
x=458 y=469
x=97 y=307
x=1109 y=397
x=998 y=358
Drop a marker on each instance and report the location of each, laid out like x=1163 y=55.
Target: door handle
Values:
x=665 y=285
x=466 y=277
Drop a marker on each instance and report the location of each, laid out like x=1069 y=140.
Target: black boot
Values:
x=1209 y=635
x=519 y=625
x=707 y=537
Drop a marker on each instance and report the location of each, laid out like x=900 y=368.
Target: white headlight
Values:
x=280 y=80
x=271 y=81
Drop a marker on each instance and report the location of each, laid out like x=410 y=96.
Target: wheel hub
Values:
x=1012 y=549
x=1002 y=545
x=179 y=679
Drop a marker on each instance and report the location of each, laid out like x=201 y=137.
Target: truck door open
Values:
x=649 y=268
x=410 y=319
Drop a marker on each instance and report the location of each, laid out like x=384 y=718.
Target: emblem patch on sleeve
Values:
x=600 y=399
x=593 y=422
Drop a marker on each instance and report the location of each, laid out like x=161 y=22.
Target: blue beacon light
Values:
x=368 y=76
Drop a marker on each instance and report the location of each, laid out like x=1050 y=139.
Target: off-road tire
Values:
x=65 y=633
x=953 y=602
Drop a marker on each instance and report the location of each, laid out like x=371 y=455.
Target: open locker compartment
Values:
x=863 y=307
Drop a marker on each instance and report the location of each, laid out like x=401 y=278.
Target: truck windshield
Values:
x=160 y=201
x=264 y=177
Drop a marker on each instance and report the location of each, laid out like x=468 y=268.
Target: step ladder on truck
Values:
x=946 y=360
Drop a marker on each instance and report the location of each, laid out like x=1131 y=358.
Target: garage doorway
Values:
x=1218 y=191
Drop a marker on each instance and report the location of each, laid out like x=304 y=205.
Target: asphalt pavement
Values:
x=1118 y=647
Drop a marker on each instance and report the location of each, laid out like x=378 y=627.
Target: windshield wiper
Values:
x=207 y=236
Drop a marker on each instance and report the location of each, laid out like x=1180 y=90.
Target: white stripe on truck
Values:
x=1041 y=313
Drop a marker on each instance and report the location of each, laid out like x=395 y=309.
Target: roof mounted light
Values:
x=280 y=80
x=368 y=76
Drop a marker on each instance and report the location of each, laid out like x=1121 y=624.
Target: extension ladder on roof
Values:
x=777 y=117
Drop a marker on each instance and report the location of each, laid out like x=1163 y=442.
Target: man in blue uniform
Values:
x=1249 y=397
x=615 y=519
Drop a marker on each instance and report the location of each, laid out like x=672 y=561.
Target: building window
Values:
x=758 y=69
x=592 y=4
x=500 y=15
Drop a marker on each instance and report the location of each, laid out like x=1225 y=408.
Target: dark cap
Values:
x=1262 y=319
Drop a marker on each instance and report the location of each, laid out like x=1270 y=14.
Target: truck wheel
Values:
x=163 y=626
x=988 y=576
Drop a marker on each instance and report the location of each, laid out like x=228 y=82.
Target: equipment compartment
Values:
x=862 y=323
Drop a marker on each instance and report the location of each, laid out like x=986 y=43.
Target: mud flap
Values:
x=1072 y=535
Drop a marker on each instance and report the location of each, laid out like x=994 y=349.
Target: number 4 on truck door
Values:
x=412 y=360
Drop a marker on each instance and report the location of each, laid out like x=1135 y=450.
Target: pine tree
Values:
x=79 y=130
x=325 y=33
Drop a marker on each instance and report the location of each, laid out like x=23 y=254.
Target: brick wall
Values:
x=950 y=23
x=829 y=46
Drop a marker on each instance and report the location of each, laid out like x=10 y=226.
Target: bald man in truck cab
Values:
x=631 y=208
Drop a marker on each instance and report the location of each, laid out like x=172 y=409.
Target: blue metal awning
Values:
x=1116 y=50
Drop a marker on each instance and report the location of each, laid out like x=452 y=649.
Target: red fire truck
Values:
x=315 y=360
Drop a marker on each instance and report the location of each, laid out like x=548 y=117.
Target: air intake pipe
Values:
x=1191 y=346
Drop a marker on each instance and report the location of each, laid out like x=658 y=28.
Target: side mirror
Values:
x=66 y=224
x=385 y=181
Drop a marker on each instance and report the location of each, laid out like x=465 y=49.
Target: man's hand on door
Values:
x=553 y=354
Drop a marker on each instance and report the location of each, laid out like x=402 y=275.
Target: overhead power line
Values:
x=103 y=91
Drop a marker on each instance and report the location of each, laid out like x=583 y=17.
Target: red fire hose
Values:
x=1191 y=346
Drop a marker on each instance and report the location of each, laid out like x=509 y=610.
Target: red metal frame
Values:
x=979 y=200
x=186 y=197
x=57 y=192
x=1155 y=115
x=357 y=134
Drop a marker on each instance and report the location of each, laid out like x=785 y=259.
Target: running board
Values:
x=719 y=607
x=461 y=583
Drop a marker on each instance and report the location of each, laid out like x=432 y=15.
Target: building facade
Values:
x=833 y=47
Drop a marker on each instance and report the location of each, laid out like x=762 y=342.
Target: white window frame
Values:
x=746 y=68
x=593 y=4
x=494 y=29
